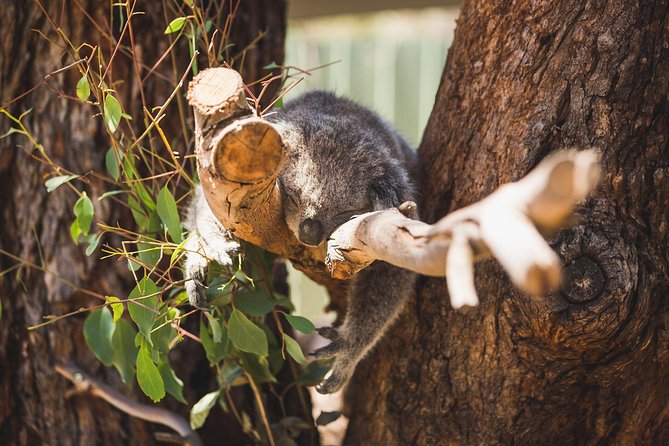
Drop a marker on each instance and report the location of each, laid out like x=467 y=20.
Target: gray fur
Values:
x=344 y=161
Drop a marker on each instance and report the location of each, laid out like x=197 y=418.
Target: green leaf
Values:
x=314 y=372
x=75 y=231
x=150 y=254
x=271 y=66
x=173 y=384
x=188 y=2
x=111 y=163
x=175 y=25
x=169 y=215
x=117 y=308
x=112 y=112
x=92 y=240
x=133 y=264
x=300 y=323
x=83 y=210
x=148 y=376
x=257 y=366
x=144 y=195
x=138 y=213
x=55 y=182
x=254 y=303
x=232 y=374
x=142 y=311
x=215 y=326
x=98 y=331
x=294 y=349
x=125 y=351
x=83 y=89
x=245 y=335
x=201 y=409
x=327 y=417
x=178 y=250
x=110 y=194
x=162 y=337
x=215 y=351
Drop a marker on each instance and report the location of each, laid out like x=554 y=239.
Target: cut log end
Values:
x=217 y=91
x=249 y=152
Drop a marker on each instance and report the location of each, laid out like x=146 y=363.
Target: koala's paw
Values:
x=222 y=251
x=342 y=367
x=195 y=270
x=334 y=380
x=330 y=333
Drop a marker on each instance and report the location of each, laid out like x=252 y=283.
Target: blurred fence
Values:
x=390 y=61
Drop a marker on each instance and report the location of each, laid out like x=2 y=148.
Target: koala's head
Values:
x=337 y=168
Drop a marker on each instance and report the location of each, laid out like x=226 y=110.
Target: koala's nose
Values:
x=311 y=232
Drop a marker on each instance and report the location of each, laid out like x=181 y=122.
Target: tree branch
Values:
x=85 y=383
x=509 y=225
x=240 y=157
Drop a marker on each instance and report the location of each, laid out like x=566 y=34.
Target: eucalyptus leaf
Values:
x=125 y=351
x=175 y=25
x=173 y=385
x=245 y=335
x=215 y=351
x=112 y=112
x=201 y=409
x=83 y=210
x=98 y=331
x=144 y=312
x=111 y=163
x=110 y=193
x=116 y=306
x=258 y=367
x=216 y=332
x=75 y=231
x=92 y=240
x=55 y=182
x=169 y=214
x=294 y=349
x=83 y=89
x=314 y=372
x=254 y=303
x=148 y=376
x=300 y=323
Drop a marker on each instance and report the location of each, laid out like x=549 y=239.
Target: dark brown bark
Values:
x=33 y=405
x=585 y=366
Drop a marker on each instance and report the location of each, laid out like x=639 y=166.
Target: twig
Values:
x=85 y=383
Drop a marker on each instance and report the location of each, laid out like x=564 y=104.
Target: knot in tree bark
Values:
x=583 y=280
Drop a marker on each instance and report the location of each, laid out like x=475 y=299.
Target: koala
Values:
x=344 y=161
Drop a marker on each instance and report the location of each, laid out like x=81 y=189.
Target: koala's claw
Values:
x=196 y=297
x=331 y=349
x=330 y=333
x=333 y=381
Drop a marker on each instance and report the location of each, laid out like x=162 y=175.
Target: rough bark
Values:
x=587 y=365
x=34 y=408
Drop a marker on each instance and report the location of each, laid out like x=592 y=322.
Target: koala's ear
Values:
x=388 y=190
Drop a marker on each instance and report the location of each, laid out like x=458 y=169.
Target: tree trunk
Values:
x=34 y=407
x=589 y=364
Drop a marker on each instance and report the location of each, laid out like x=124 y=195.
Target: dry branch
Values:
x=84 y=383
x=240 y=156
x=509 y=225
